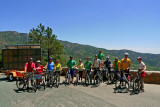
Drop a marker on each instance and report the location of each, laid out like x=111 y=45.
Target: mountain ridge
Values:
x=81 y=51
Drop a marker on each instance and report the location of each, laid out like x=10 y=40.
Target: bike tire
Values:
x=44 y=83
x=69 y=79
x=118 y=84
x=20 y=84
x=77 y=78
x=137 y=86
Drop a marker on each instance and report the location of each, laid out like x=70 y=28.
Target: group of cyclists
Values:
x=96 y=65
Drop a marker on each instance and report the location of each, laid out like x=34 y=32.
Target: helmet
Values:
x=107 y=57
x=126 y=54
x=31 y=59
x=96 y=55
x=116 y=57
x=139 y=58
x=80 y=60
x=50 y=58
x=38 y=61
x=71 y=56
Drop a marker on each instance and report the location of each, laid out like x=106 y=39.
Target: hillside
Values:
x=82 y=51
x=12 y=37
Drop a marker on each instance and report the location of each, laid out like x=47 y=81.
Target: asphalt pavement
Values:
x=77 y=96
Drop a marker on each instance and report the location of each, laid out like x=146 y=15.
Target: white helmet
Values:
x=126 y=54
x=38 y=61
x=107 y=57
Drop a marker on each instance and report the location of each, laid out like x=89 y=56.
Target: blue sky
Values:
x=110 y=24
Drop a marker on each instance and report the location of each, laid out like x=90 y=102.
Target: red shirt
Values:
x=39 y=69
x=29 y=66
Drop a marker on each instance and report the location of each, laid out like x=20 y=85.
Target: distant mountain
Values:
x=80 y=51
x=12 y=37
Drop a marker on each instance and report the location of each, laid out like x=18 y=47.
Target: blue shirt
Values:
x=50 y=66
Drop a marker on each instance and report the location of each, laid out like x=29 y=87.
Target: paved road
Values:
x=80 y=96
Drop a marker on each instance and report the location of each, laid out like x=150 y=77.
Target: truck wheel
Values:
x=11 y=78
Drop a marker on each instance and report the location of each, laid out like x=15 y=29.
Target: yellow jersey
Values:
x=125 y=63
x=117 y=65
x=80 y=66
x=58 y=67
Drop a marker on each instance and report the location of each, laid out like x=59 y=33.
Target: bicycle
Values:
x=50 y=78
x=77 y=76
x=68 y=77
x=136 y=84
x=43 y=79
x=56 y=80
x=123 y=82
x=96 y=78
x=87 y=77
x=22 y=83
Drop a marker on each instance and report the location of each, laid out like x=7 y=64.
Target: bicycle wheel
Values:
x=43 y=83
x=69 y=76
x=95 y=80
x=33 y=83
x=86 y=80
x=108 y=77
x=98 y=80
x=57 y=82
x=20 y=84
x=136 y=86
x=51 y=82
x=118 y=84
x=112 y=77
x=77 y=78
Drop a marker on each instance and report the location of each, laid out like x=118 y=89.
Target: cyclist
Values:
x=58 y=68
x=88 y=65
x=108 y=64
x=50 y=67
x=80 y=67
x=116 y=66
x=142 y=68
x=29 y=67
x=96 y=65
x=100 y=55
x=71 y=64
x=38 y=73
x=125 y=64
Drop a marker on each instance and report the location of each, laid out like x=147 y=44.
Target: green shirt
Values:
x=71 y=63
x=116 y=65
x=100 y=56
x=88 y=64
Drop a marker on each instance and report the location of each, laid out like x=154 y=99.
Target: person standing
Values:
x=29 y=67
x=108 y=64
x=100 y=56
x=88 y=65
x=96 y=64
x=125 y=64
x=58 y=68
x=116 y=66
x=50 y=68
x=141 y=69
x=38 y=73
x=71 y=64
x=80 y=67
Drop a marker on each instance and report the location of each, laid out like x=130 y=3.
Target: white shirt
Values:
x=97 y=63
x=141 y=65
